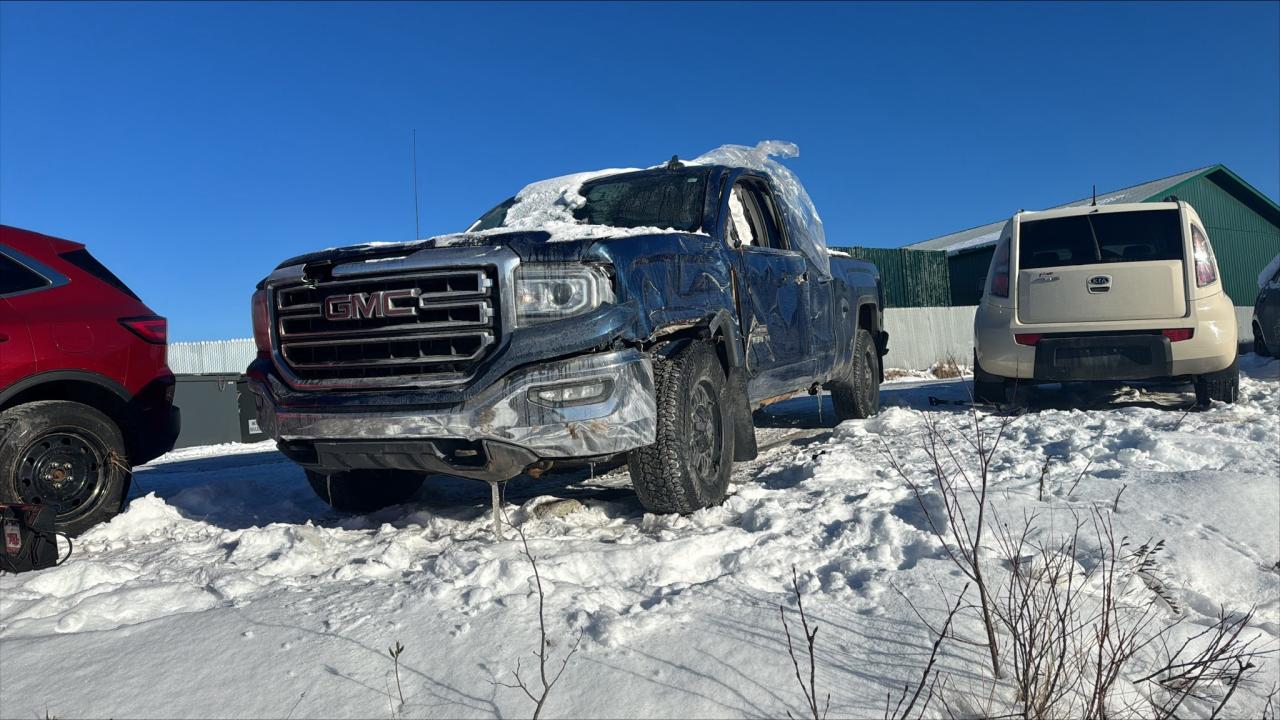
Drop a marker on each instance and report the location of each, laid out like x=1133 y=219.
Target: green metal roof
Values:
x=985 y=235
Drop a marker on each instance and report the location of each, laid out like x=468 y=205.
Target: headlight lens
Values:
x=551 y=292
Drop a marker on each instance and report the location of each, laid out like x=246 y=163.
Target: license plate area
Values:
x=1103 y=357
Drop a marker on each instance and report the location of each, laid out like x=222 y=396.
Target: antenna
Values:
x=417 y=227
x=1095 y=196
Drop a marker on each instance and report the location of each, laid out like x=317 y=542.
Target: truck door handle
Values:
x=4 y=338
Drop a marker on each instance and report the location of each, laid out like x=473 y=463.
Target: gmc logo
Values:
x=380 y=304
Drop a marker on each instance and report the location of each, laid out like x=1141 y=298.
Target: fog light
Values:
x=570 y=394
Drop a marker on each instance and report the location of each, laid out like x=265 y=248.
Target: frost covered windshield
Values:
x=664 y=199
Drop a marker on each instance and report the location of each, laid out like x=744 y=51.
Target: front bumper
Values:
x=498 y=422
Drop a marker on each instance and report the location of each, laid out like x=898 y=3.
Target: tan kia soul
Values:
x=1113 y=292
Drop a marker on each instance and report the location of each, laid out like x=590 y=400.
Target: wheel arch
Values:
x=87 y=388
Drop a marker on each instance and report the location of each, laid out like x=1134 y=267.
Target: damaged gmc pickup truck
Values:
x=640 y=312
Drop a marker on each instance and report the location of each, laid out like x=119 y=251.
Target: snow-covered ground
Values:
x=228 y=590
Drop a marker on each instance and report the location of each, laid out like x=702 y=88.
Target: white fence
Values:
x=918 y=338
x=211 y=356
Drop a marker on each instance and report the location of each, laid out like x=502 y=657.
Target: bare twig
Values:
x=394 y=651
x=810 y=691
x=540 y=699
x=928 y=668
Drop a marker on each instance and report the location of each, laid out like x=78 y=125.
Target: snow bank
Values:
x=226 y=589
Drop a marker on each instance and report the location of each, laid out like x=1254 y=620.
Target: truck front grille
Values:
x=435 y=325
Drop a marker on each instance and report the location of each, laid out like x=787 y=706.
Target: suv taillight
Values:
x=152 y=328
x=1205 y=272
x=262 y=321
x=1000 y=276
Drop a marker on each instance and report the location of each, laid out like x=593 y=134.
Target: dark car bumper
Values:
x=155 y=433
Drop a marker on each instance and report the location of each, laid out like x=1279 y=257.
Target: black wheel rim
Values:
x=869 y=389
x=704 y=426
x=64 y=469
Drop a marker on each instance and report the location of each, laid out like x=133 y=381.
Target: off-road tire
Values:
x=363 y=491
x=988 y=388
x=56 y=451
x=1223 y=386
x=1260 y=343
x=689 y=465
x=857 y=394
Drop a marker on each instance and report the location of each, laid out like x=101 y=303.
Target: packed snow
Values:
x=227 y=589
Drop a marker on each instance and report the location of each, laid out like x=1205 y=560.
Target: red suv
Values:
x=85 y=393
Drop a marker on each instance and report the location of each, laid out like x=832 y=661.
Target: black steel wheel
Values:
x=856 y=394
x=64 y=455
x=689 y=465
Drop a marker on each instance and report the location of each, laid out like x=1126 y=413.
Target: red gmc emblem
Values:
x=380 y=304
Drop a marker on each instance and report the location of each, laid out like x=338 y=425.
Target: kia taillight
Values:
x=1206 y=273
x=262 y=321
x=1027 y=338
x=1000 y=275
x=1178 y=334
x=152 y=328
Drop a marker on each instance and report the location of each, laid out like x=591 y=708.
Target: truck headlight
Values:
x=550 y=292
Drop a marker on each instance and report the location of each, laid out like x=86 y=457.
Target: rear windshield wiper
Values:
x=1097 y=246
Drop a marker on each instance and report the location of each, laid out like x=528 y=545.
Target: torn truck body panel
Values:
x=533 y=336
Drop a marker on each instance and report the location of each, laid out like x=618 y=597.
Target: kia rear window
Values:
x=1100 y=238
x=16 y=278
x=88 y=263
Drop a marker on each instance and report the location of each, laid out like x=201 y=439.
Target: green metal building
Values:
x=1243 y=225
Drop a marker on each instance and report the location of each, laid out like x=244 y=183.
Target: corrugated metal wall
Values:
x=1243 y=241
x=212 y=356
x=911 y=278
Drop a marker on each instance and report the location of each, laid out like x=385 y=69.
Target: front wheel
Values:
x=857 y=394
x=363 y=491
x=688 y=466
x=1223 y=386
x=67 y=456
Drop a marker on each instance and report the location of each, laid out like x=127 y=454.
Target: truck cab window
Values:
x=741 y=230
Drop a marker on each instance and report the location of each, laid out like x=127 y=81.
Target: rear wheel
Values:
x=988 y=388
x=362 y=491
x=688 y=466
x=857 y=394
x=1259 y=342
x=67 y=456
x=1223 y=386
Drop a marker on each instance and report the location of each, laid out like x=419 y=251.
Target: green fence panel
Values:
x=911 y=278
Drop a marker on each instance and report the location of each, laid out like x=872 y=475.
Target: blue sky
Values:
x=193 y=146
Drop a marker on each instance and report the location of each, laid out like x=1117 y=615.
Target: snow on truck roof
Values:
x=548 y=205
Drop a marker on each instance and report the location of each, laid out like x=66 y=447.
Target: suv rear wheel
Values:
x=363 y=491
x=988 y=388
x=67 y=456
x=1222 y=386
x=688 y=466
x=857 y=395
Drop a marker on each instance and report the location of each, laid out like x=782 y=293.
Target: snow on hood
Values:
x=1269 y=271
